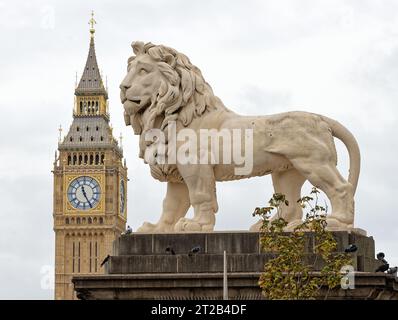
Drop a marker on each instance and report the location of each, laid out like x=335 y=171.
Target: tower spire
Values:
x=91 y=94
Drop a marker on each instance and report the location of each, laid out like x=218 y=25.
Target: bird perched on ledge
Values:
x=351 y=248
x=385 y=266
x=170 y=250
x=105 y=260
x=194 y=250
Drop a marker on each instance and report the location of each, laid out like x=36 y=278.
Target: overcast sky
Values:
x=337 y=58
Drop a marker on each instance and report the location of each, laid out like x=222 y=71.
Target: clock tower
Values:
x=90 y=184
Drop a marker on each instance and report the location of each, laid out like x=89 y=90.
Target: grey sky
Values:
x=338 y=58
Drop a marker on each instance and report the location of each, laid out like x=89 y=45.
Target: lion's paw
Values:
x=336 y=225
x=154 y=228
x=186 y=225
x=147 y=227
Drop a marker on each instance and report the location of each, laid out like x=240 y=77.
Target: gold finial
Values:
x=60 y=133
x=121 y=140
x=92 y=22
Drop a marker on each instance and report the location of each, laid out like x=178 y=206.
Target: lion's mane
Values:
x=183 y=93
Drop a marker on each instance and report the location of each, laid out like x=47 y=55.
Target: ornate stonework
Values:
x=164 y=92
x=89 y=185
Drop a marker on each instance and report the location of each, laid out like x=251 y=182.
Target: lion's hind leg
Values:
x=289 y=183
x=326 y=177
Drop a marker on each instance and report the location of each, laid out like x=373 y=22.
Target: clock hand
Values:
x=85 y=195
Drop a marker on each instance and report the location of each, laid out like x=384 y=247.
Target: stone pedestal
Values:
x=141 y=267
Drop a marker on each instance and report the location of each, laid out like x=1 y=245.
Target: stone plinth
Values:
x=142 y=268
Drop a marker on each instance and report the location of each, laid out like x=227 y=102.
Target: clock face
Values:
x=122 y=197
x=84 y=193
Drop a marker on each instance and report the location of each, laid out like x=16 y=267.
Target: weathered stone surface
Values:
x=142 y=269
x=372 y=286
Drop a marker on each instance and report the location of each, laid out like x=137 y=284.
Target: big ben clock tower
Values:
x=90 y=181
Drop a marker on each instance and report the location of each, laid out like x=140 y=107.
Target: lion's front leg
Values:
x=175 y=206
x=202 y=194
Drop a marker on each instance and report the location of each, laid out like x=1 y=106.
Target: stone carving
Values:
x=163 y=91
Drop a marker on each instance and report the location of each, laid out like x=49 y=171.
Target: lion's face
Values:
x=139 y=85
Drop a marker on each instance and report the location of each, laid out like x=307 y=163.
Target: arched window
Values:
x=70 y=139
x=74 y=159
x=101 y=220
x=67 y=221
x=91 y=159
x=85 y=159
x=92 y=138
x=77 y=129
x=102 y=158
x=78 y=220
x=69 y=159
x=80 y=159
x=80 y=138
x=81 y=107
x=96 y=158
x=90 y=221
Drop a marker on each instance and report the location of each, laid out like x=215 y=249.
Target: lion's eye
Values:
x=143 y=71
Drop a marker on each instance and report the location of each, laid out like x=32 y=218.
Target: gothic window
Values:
x=76 y=256
x=70 y=139
x=67 y=221
x=96 y=256
x=81 y=107
x=101 y=220
x=69 y=159
x=91 y=159
x=92 y=138
x=102 y=158
x=87 y=128
x=77 y=129
x=85 y=159
x=80 y=138
x=97 y=159
x=102 y=138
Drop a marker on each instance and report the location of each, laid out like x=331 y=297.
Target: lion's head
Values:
x=166 y=86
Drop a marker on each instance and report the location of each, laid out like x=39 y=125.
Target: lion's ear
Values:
x=170 y=60
x=138 y=47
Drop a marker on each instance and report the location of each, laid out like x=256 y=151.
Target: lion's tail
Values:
x=342 y=133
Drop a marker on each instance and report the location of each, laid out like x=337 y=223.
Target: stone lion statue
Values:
x=162 y=86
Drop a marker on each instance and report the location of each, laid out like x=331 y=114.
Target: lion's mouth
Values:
x=136 y=104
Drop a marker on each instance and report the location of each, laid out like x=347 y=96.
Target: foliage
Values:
x=289 y=274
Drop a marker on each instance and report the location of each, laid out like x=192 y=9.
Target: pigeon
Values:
x=380 y=256
x=194 y=250
x=351 y=248
x=105 y=260
x=170 y=250
x=392 y=270
x=383 y=268
x=128 y=230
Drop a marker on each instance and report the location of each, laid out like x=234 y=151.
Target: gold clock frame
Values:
x=99 y=208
